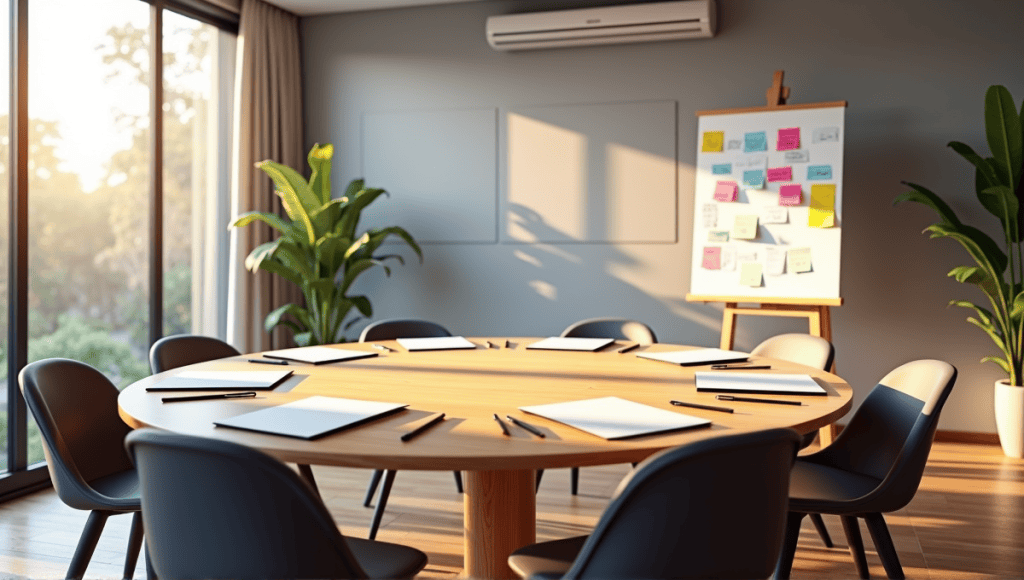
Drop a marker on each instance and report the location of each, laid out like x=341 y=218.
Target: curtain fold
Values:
x=267 y=125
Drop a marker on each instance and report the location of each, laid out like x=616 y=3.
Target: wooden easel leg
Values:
x=728 y=326
x=821 y=325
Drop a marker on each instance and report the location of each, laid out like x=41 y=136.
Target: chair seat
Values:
x=552 y=558
x=123 y=485
x=384 y=560
x=816 y=488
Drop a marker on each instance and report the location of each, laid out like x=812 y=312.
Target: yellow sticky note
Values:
x=799 y=260
x=745 y=227
x=823 y=206
x=713 y=141
x=750 y=274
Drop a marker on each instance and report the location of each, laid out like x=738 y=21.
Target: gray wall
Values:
x=914 y=73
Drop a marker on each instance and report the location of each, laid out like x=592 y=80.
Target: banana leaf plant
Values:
x=998 y=269
x=319 y=250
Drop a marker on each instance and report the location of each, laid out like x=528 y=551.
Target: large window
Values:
x=97 y=266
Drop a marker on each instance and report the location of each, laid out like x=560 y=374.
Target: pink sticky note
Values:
x=712 y=258
x=780 y=174
x=788 y=139
x=726 y=191
x=790 y=195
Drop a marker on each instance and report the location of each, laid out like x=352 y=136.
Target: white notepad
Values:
x=318 y=354
x=703 y=356
x=221 y=381
x=435 y=343
x=745 y=382
x=571 y=343
x=311 y=417
x=615 y=418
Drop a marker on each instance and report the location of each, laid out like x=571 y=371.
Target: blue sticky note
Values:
x=754 y=178
x=757 y=141
x=819 y=172
x=722 y=169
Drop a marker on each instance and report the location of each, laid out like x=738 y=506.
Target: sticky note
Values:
x=799 y=260
x=819 y=172
x=774 y=215
x=726 y=191
x=788 y=139
x=823 y=206
x=750 y=274
x=753 y=178
x=780 y=174
x=790 y=194
x=751 y=162
x=756 y=141
x=746 y=256
x=734 y=144
x=745 y=227
x=713 y=141
x=709 y=214
x=721 y=169
x=775 y=261
x=712 y=258
x=801 y=156
x=825 y=135
x=728 y=259
x=718 y=236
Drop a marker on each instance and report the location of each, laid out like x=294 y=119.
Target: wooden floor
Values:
x=967 y=521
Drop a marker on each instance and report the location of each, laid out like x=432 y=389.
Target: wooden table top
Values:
x=469 y=386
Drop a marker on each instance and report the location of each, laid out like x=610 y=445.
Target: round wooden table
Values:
x=470 y=386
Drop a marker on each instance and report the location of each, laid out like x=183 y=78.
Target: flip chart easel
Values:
x=815 y=310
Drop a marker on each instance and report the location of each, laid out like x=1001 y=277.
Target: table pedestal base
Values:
x=500 y=517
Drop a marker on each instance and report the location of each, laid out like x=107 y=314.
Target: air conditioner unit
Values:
x=607 y=25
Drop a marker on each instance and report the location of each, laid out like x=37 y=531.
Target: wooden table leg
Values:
x=500 y=517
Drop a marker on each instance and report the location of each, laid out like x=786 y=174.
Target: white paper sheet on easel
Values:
x=615 y=418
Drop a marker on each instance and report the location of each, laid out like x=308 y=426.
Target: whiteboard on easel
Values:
x=767 y=216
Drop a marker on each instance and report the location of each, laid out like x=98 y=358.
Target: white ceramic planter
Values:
x=1009 y=404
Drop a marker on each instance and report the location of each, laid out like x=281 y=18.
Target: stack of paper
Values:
x=311 y=417
x=703 y=356
x=568 y=343
x=744 y=382
x=435 y=343
x=615 y=418
x=221 y=381
x=318 y=355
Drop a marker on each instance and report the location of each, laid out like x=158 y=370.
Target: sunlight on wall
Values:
x=545 y=289
x=638 y=186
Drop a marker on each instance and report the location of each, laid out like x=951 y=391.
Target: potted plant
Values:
x=319 y=250
x=998 y=268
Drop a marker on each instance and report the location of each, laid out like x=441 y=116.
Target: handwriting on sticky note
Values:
x=726 y=191
x=734 y=144
x=728 y=259
x=788 y=139
x=712 y=258
x=709 y=215
x=780 y=174
x=745 y=227
x=753 y=178
x=801 y=156
x=718 y=236
x=756 y=141
x=721 y=169
x=825 y=135
x=799 y=260
x=713 y=141
x=774 y=215
x=775 y=261
x=790 y=194
x=751 y=162
x=819 y=172
x=823 y=206
x=750 y=274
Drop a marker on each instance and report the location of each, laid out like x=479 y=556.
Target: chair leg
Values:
x=785 y=564
x=852 y=529
x=150 y=572
x=87 y=544
x=540 y=475
x=372 y=488
x=819 y=524
x=458 y=480
x=574 y=480
x=883 y=544
x=307 y=473
x=131 y=557
x=382 y=502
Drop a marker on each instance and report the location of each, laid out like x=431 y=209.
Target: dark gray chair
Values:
x=875 y=465
x=712 y=509
x=75 y=407
x=171 y=352
x=215 y=509
x=391 y=329
x=617 y=328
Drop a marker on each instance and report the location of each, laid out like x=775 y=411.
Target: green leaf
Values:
x=320 y=177
x=259 y=254
x=998 y=361
x=977 y=243
x=968 y=274
x=276 y=317
x=924 y=196
x=990 y=332
x=353 y=270
x=983 y=313
x=1001 y=201
x=298 y=199
x=304 y=338
x=273 y=220
x=330 y=253
x=362 y=303
x=350 y=218
x=1003 y=130
x=378 y=236
x=983 y=166
x=1017 y=306
x=354 y=187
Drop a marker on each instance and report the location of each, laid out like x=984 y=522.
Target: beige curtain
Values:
x=268 y=125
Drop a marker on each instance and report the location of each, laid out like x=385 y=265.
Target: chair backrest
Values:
x=803 y=349
x=75 y=407
x=215 y=509
x=171 y=352
x=402 y=328
x=617 y=328
x=711 y=509
x=890 y=435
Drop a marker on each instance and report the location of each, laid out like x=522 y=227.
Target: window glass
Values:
x=5 y=117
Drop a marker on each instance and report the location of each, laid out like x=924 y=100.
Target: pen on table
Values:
x=526 y=426
x=508 y=344
x=739 y=367
x=267 y=361
x=504 y=429
x=427 y=425
x=699 y=406
x=628 y=347
x=382 y=347
x=242 y=395
x=756 y=400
